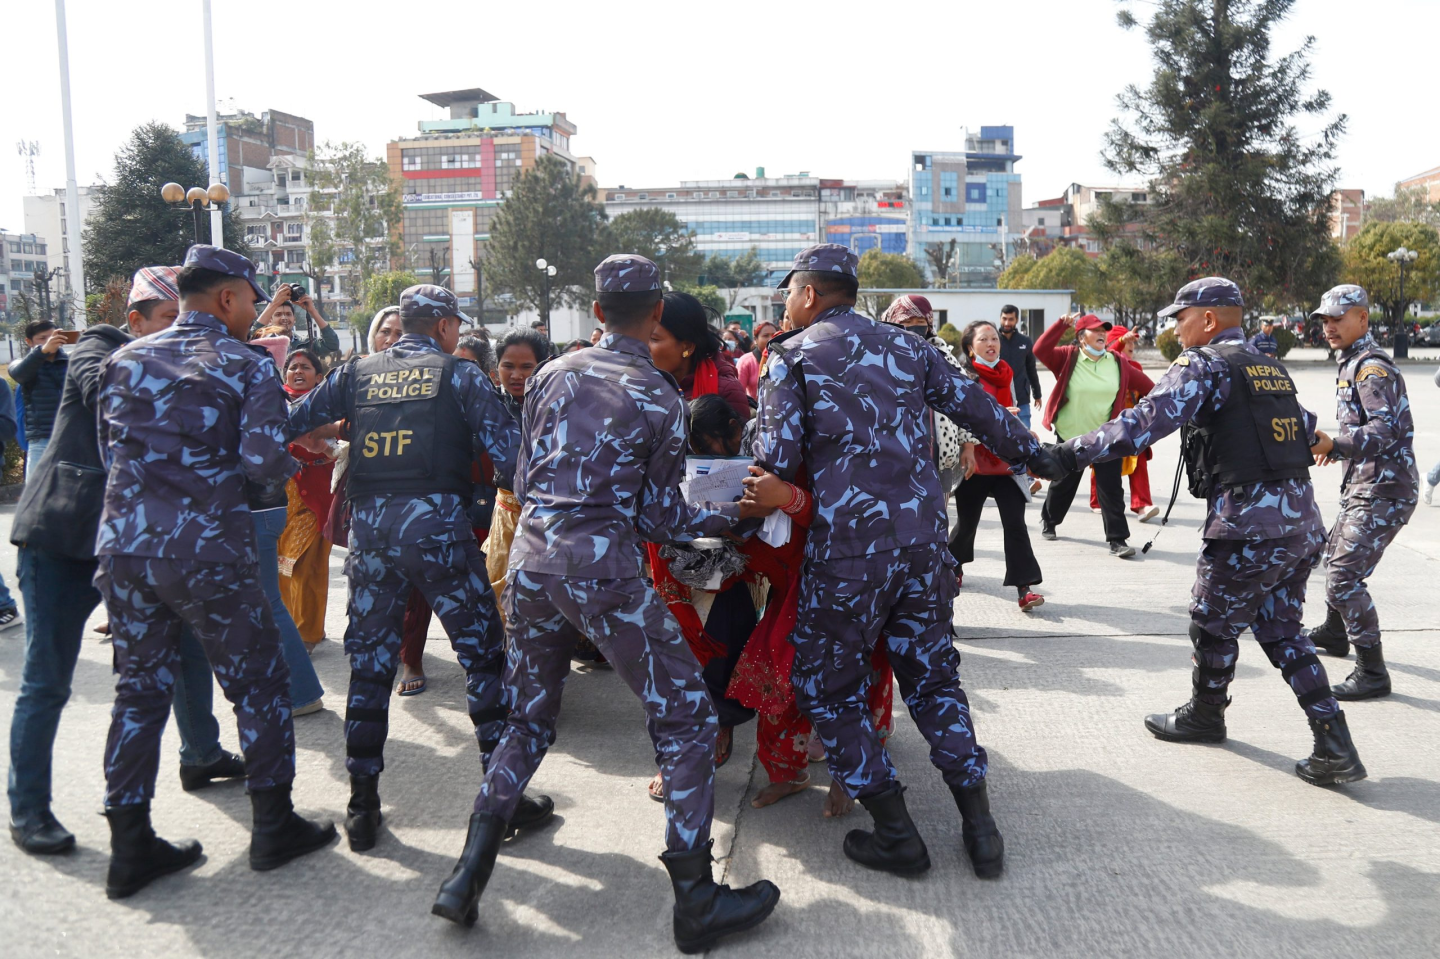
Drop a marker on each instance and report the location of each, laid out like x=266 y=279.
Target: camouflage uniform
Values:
x=420 y=540
x=187 y=417
x=601 y=460
x=849 y=398
x=1381 y=483
x=1261 y=540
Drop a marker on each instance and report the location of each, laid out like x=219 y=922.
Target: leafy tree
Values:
x=1016 y=274
x=941 y=256
x=550 y=215
x=1136 y=282
x=659 y=235
x=708 y=295
x=132 y=225
x=322 y=251
x=733 y=274
x=363 y=204
x=381 y=290
x=1065 y=268
x=949 y=334
x=886 y=271
x=1237 y=190
x=1405 y=206
x=1367 y=264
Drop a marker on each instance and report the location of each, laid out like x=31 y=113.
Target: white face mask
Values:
x=1093 y=352
x=990 y=363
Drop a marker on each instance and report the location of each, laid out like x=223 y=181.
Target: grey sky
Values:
x=664 y=91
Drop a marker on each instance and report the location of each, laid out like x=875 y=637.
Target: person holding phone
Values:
x=41 y=377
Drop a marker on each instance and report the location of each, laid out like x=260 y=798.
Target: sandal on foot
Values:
x=417 y=690
x=724 y=745
x=656 y=788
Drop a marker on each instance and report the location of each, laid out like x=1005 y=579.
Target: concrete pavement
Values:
x=1118 y=845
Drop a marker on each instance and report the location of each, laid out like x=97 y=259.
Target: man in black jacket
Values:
x=41 y=376
x=1018 y=351
x=55 y=526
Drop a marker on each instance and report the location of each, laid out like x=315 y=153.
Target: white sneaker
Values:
x=308 y=708
x=11 y=616
x=1429 y=491
x=1148 y=513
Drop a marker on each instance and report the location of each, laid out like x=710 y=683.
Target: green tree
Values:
x=132 y=225
x=707 y=294
x=321 y=252
x=380 y=290
x=659 y=235
x=1367 y=263
x=1405 y=206
x=1016 y=275
x=1236 y=189
x=550 y=215
x=361 y=202
x=733 y=274
x=1065 y=268
x=886 y=271
x=1136 y=282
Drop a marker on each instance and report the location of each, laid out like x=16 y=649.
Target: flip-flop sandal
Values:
x=417 y=690
x=721 y=758
x=651 y=791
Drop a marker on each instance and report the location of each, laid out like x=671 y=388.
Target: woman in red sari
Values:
x=304 y=552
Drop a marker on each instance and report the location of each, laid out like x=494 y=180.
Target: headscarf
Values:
x=910 y=306
x=375 y=324
x=154 y=283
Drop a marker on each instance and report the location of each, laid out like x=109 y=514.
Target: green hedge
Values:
x=1286 y=341
x=1169 y=345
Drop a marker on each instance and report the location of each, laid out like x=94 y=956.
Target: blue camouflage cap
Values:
x=626 y=273
x=1207 y=291
x=1338 y=300
x=428 y=301
x=824 y=258
x=219 y=260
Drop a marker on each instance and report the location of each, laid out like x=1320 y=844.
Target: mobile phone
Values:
x=69 y=336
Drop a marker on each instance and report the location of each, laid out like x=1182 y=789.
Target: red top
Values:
x=727 y=383
x=995 y=381
x=1060 y=360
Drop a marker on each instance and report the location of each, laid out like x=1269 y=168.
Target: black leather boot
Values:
x=895 y=845
x=41 y=834
x=983 y=842
x=1194 y=722
x=1335 y=759
x=706 y=910
x=362 y=815
x=459 y=898
x=1368 y=680
x=530 y=813
x=280 y=834
x=1329 y=636
x=228 y=766
x=137 y=856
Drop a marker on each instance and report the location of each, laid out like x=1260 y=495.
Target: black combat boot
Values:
x=1194 y=722
x=706 y=910
x=228 y=766
x=280 y=834
x=362 y=815
x=895 y=845
x=1335 y=759
x=1329 y=636
x=138 y=856
x=530 y=813
x=983 y=842
x=459 y=898
x=1368 y=680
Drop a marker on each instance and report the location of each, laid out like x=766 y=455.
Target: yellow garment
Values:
x=497 y=544
x=304 y=568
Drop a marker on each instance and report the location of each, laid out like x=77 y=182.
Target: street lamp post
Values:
x=1402 y=258
x=197 y=198
x=547 y=270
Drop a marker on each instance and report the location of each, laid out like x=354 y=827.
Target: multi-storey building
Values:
x=247 y=143
x=458 y=172
x=971 y=198
x=46 y=215
x=23 y=267
x=776 y=216
x=1429 y=182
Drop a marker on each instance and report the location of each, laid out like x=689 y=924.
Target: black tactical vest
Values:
x=407 y=434
x=1258 y=435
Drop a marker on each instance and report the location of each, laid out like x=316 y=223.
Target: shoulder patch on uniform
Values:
x=1181 y=360
x=1369 y=370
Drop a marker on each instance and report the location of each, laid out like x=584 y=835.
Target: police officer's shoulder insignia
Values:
x=1181 y=360
x=1369 y=370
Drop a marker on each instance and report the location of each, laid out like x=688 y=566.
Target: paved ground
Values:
x=1119 y=845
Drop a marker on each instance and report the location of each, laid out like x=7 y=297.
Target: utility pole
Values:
x=74 y=260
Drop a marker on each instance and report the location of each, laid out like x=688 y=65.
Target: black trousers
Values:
x=1021 y=567
x=1107 y=488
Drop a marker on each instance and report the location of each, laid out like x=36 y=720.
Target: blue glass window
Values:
x=974 y=193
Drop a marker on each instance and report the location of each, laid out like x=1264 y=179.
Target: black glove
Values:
x=1053 y=461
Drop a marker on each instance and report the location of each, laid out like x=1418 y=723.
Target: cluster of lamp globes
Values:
x=175 y=193
x=1402 y=255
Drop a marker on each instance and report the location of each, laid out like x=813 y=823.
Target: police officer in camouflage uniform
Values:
x=1247 y=447
x=188 y=417
x=415 y=415
x=849 y=399
x=1379 y=488
x=601 y=460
